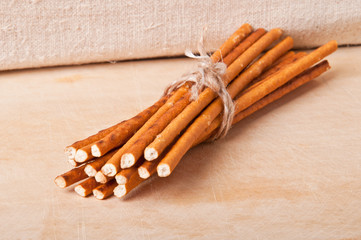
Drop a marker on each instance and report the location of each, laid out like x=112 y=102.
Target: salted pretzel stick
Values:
x=104 y=190
x=244 y=45
x=285 y=61
x=83 y=154
x=123 y=189
x=124 y=175
x=148 y=168
x=135 y=151
x=102 y=178
x=178 y=124
x=92 y=168
x=125 y=130
x=73 y=163
x=298 y=81
x=86 y=187
x=170 y=161
x=71 y=150
x=70 y=177
x=279 y=64
x=231 y=42
x=120 y=135
x=113 y=165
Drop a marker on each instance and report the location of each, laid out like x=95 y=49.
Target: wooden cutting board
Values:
x=290 y=171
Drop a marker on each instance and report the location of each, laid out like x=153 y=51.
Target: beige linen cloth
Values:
x=37 y=33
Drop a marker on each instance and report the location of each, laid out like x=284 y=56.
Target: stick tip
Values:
x=81 y=156
x=277 y=31
x=70 y=152
x=80 y=190
x=72 y=162
x=127 y=160
x=98 y=194
x=109 y=170
x=90 y=171
x=143 y=172
x=95 y=151
x=120 y=191
x=60 y=181
x=100 y=177
x=163 y=170
x=150 y=153
x=121 y=179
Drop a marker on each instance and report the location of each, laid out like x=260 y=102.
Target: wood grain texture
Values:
x=290 y=171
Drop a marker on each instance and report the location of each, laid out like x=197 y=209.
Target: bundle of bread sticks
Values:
x=117 y=159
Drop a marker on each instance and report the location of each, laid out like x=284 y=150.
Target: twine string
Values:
x=207 y=74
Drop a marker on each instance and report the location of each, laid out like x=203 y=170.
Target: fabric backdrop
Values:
x=36 y=33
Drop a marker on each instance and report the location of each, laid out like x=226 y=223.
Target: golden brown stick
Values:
x=92 y=168
x=83 y=154
x=148 y=168
x=123 y=189
x=104 y=190
x=178 y=124
x=70 y=177
x=303 y=78
x=73 y=163
x=124 y=175
x=281 y=77
x=71 y=150
x=170 y=161
x=122 y=133
x=101 y=178
x=236 y=52
x=113 y=165
x=298 y=81
x=86 y=187
x=231 y=42
x=285 y=61
x=135 y=151
x=280 y=63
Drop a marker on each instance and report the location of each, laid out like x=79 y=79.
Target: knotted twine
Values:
x=208 y=74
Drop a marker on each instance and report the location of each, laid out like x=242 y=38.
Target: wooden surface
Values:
x=290 y=171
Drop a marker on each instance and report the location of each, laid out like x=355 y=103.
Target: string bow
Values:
x=207 y=74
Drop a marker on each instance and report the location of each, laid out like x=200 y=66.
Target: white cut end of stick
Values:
x=127 y=160
x=150 y=154
x=100 y=177
x=90 y=171
x=95 y=151
x=121 y=179
x=80 y=190
x=70 y=152
x=143 y=172
x=98 y=194
x=72 y=162
x=109 y=170
x=60 y=182
x=81 y=156
x=120 y=191
x=163 y=170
